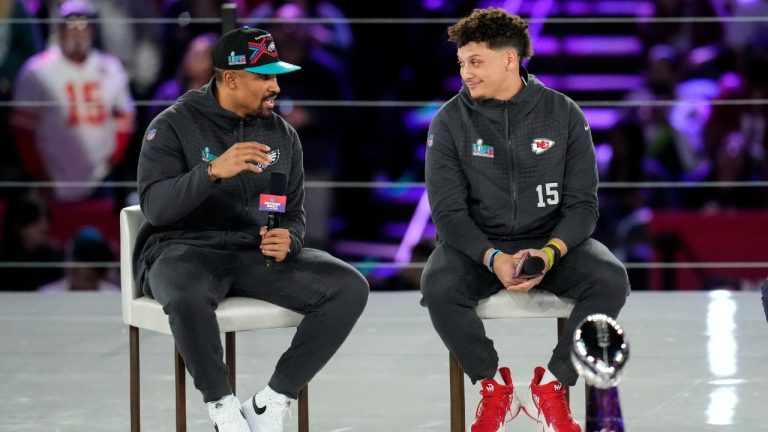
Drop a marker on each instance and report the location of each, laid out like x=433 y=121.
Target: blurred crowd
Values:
x=85 y=85
x=697 y=141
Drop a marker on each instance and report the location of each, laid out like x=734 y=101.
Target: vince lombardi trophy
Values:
x=600 y=351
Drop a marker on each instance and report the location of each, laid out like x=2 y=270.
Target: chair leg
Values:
x=456 y=379
x=560 y=329
x=133 y=348
x=231 y=361
x=304 y=409
x=181 y=391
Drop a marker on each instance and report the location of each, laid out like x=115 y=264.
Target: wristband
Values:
x=547 y=250
x=557 y=247
x=489 y=264
x=209 y=170
x=553 y=252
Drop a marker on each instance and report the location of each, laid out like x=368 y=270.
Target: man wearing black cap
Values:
x=203 y=164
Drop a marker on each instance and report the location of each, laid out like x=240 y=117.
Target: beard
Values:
x=265 y=113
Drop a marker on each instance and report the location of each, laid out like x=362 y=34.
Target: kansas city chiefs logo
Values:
x=540 y=145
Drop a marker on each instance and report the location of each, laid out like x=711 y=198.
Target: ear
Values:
x=230 y=80
x=512 y=59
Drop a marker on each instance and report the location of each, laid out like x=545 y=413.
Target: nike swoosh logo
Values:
x=259 y=411
x=586 y=127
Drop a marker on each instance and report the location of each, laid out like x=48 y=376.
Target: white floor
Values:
x=699 y=362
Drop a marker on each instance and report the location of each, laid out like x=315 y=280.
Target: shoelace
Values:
x=497 y=405
x=555 y=407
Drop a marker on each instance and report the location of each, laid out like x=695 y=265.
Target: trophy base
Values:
x=604 y=410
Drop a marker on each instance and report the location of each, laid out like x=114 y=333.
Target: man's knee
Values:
x=432 y=286
x=177 y=294
x=186 y=302
x=354 y=291
x=441 y=286
x=613 y=283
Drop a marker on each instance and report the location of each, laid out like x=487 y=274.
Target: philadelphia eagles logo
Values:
x=273 y=156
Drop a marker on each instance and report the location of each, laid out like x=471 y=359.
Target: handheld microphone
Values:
x=528 y=266
x=532 y=266
x=274 y=204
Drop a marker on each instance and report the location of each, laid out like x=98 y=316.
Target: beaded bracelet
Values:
x=489 y=264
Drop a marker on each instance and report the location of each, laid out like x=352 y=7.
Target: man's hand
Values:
x=275 y=243
x=504 y=267
x=242 y=156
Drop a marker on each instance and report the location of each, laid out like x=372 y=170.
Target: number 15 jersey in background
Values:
x=75 y=111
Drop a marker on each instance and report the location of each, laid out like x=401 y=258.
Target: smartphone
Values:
x=519 y=266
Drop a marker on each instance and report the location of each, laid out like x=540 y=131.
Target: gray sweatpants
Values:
x=452 y=284
x=189 y=282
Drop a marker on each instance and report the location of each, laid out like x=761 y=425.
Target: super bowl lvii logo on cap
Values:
x=234 y=59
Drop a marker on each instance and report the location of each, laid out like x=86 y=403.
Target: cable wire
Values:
x=398 y=185
x=184 y=20
x=394 y=265
x=436 y=104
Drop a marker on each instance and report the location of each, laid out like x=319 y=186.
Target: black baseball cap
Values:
x=249 y=49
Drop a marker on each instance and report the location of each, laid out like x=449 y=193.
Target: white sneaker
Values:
x=267 y=413
x=227 y=416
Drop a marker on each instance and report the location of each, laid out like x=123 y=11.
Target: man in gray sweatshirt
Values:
x=204 y=163
x=511 y=170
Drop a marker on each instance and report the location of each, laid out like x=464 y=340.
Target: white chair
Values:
x=234 y=314
x=504 y=305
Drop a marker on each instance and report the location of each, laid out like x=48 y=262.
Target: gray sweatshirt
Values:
x=179 y=200
x=508 y=170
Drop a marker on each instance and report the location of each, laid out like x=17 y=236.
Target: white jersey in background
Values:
x=85 y=106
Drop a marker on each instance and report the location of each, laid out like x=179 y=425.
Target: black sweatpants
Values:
x=189 y=282
x=452 y=284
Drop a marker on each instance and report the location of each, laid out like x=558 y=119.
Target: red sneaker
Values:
x=552 y=408
x=492 y=411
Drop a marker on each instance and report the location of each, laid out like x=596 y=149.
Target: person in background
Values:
x=18 y=42
x=26 y=239
x=323 y=78
x=82 y=114
x=195 y=71
x=176 y=38
x=88 y=246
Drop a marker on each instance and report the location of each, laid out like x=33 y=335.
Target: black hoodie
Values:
x=179 y=200
x=508 y=170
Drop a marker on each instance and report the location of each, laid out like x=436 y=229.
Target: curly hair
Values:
x=496 y=27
